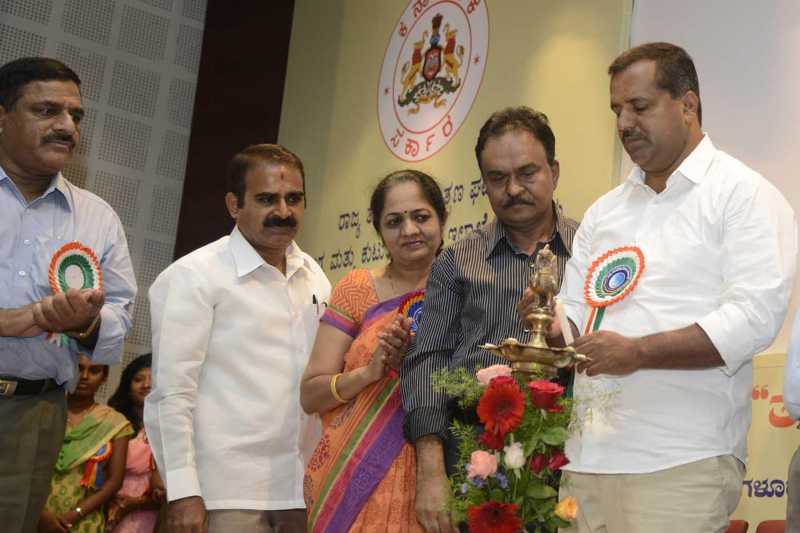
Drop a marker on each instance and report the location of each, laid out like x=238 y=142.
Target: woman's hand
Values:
x=376 y=368
x=394 y=341
x=69 y=519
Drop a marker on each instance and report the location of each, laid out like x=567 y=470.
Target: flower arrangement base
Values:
x=507 y=474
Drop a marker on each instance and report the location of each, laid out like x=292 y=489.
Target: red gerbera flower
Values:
x=501 y=406
x=494 y=517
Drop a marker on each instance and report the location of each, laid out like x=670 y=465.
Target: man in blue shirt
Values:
x=41 y=333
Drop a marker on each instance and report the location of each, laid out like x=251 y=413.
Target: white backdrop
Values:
x=746 y=54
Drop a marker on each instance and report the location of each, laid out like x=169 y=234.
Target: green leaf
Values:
x=540 y=491
x=554 y=436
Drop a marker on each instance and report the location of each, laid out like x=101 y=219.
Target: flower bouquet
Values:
x=507 y=476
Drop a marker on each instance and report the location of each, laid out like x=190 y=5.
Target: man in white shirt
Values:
x=233 y=323
x=678 y=277
x=791 y=400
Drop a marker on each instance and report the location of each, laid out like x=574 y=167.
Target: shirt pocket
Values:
x=312 y=313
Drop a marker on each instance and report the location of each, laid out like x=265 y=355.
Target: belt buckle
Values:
x=7 y=387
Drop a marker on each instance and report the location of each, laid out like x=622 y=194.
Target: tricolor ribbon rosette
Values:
x=611 y=277
x=411 y=306
x=73 y=266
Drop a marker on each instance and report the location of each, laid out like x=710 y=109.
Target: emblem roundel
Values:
x=431 y=73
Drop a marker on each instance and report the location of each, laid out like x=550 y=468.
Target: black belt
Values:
x=26 y=387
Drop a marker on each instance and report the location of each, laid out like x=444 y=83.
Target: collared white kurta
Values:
x=720 y=246
x=231 y=337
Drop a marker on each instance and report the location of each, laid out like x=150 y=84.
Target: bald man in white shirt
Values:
x=678 y=277
x=233 y=324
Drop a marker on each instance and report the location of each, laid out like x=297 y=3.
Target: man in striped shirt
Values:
x=474 y=286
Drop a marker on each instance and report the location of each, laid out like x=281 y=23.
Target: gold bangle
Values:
x=81 y=335
x=334 y=392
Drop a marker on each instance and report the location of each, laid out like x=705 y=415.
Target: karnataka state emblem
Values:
x=431 y=73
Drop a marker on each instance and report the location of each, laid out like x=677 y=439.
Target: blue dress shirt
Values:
x=30 y=233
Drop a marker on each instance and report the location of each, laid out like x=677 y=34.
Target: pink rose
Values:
x=485 y=375
x=481 y=464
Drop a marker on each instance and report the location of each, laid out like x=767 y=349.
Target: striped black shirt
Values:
x=470 y=299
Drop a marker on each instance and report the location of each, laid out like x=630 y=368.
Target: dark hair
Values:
x=121 y=399
x=20 y=72
x=246 y=159
x=430 y=190
x=675 y=72
x=518 y=118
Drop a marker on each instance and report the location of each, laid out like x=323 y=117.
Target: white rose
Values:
x=514 y=457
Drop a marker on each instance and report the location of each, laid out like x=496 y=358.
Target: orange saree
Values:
x=361 y=477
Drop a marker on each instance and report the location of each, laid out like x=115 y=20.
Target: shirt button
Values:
x=22 y=273
x=26 y=242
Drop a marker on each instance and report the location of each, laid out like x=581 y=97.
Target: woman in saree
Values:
x=134 y=509
x=351 y=378
x=91 y=463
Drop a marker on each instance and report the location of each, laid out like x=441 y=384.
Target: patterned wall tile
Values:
x=155 y=257
x=90 y=67
x=16 y=42
x=125 y=142
x=121 y=192
x=89 y=19
x=165 y=208
x=172 y=158
x=194 y=9
x=181 y=102
x=76 y=172
x=190 y=42
x=35 y=10
x=163 y=4
x=134 y=89
x=143 y=34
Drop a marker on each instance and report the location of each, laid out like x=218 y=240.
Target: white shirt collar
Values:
x=247 y=258
x=693 y=168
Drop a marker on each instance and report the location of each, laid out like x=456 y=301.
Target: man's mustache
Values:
x=631 y=135
x=511 y=202
x=58 y=137
x=278 y=222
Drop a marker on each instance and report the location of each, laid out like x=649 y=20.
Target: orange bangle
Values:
x=334 y=392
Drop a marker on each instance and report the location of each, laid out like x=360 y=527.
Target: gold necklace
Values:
x=391 y=280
